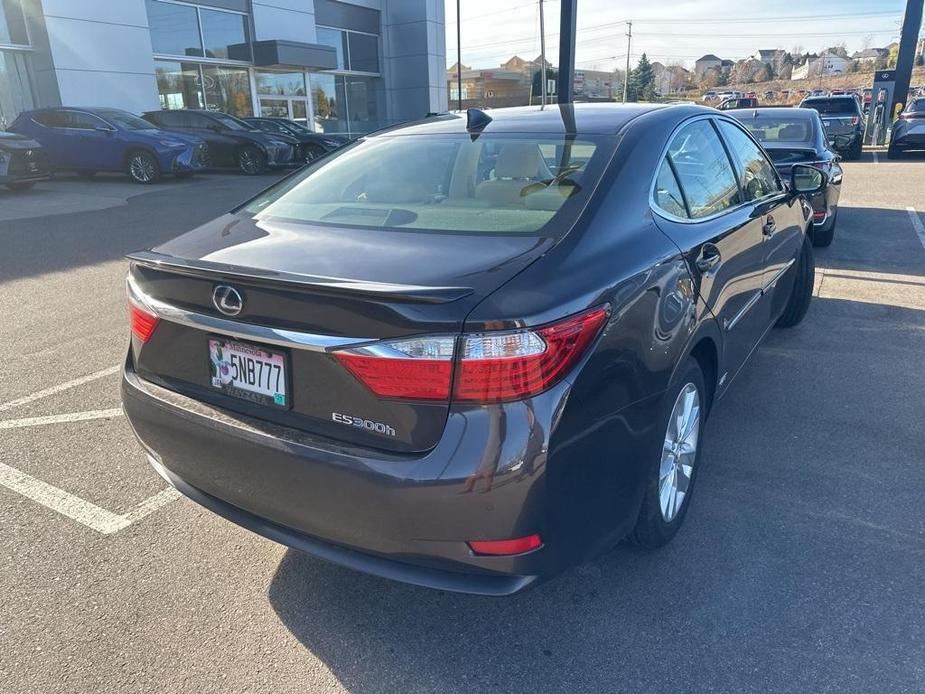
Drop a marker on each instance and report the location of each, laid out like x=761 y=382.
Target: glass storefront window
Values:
x=362 y=104
x=179 y=85
x=274 y=108
x=228 y=89
x=329 y=103
x=15 y=87
x=281 y=83
x=13 y=23
x=174 y=29
x=363 y=52
x=337 y=39
x=223 y=29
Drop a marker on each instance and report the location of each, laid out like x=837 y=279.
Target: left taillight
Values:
x=142 y=319
x=487 y=367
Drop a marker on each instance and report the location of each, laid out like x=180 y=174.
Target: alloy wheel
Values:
x=142 y=168
x=679 y=452
x=249 y=162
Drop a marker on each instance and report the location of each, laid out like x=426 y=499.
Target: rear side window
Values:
x=446 y=183
x=50 y=119
x=83 y=121
x=668 y=196
x=758 y=176
x=829 y=106
x=704 y=170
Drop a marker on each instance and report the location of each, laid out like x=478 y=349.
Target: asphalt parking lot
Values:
x=801 y=566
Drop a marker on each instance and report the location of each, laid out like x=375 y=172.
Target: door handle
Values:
x=770 y=226
x=709 y=258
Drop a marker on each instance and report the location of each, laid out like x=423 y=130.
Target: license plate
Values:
x=248 y=372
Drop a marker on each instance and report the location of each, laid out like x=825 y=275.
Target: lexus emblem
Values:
x=227 y=300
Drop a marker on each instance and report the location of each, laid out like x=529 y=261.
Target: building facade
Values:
x=338 y=66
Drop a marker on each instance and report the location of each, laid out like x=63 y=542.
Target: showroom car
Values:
x=89 y=140
x=908 y=130
x=233 y=144
x=23 y=162
x=313 y=145
x=843 y=119
x=469 y=352
x=797 y=136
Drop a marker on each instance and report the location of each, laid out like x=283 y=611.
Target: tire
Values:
x=21 y=187
x=87 y=175
x=312 y=152
x=142 y=167
x=894 y=152
x=854 y=154
x=251 y=161
x=673 y=468
x=802 y=291
x=823 y=238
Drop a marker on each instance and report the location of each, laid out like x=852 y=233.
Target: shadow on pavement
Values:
x=57 y=242
x=799 y=568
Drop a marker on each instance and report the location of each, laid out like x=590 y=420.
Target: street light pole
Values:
x=458 y=56
x=542 y=57
x=629 y=44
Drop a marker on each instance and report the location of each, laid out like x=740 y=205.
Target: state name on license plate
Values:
x=248 y=372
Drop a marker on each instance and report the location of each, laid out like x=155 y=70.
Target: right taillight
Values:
x=489 y=367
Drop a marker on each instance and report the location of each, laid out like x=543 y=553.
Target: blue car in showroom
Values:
x=88 y=140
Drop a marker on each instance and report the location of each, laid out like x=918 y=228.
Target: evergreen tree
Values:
x=642 y=81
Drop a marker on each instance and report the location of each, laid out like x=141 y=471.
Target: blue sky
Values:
x=668 y=31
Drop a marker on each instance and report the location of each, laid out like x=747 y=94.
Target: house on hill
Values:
x=705 y=63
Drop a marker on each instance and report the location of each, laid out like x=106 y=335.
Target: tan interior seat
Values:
x=518 y=165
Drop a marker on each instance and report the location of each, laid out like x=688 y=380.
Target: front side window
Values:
x=758 y=177
x=704 y=171
x=82 y=121
x=444 y=183
x=174 y=29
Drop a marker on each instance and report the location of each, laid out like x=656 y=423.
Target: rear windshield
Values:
x=780 y=129
x=845 y=105
x=445 y=183
x=916 y=105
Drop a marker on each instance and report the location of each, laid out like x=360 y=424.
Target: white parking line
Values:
x=876 y=158
x=58 y=388
x=917 y=224
x=75 y=508
x=60 y=418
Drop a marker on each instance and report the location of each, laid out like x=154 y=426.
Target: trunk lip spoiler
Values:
x=279 y=337
x=411 y=293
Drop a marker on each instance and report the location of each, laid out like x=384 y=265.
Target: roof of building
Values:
x=709 y=56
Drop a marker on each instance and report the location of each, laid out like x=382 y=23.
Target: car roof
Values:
x=590 y=118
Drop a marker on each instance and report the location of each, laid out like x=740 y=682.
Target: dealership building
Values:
x=347 y=67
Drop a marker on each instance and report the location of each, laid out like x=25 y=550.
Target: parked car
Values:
x=312 y=145
x=751 y=95
x=386 y=388
x=710 y=95
x=908 y=130
x=233 y=144
x=23 y=162
x=843 y=120
x=818 y=92
x=797 y=136
x=88 y=140
x=770 y=95
x=837 y=92
x=743 y=102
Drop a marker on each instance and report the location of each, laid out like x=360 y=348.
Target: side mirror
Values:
x=807 y=180
x=216 y=128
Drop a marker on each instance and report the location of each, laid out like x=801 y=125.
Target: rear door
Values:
x=92 y=143
x=52 y=135
x=700 y=206
x=778 y=215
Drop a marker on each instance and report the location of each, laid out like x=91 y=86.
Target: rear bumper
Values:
x=406 y=518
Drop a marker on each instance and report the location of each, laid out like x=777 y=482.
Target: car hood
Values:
x=156 y=135
x=11 y=141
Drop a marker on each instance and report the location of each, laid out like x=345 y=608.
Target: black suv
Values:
x=843 y=121
x=232 y=142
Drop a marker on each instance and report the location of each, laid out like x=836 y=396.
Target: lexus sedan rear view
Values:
x=469 y=352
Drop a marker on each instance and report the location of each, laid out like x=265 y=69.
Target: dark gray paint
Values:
x=276 y=53
x=343 y=16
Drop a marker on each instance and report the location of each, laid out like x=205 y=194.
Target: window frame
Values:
x=20 y=46
x=347 y=62
x=712 y=119
x=248 y=35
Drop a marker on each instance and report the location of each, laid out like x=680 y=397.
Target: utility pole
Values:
x=458 y=56
x=629 y=45
x=542 y=57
